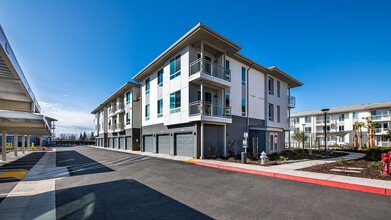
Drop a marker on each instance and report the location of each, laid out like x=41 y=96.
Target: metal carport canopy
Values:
x=25 y=123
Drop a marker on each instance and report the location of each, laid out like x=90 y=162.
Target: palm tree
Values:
x=374 y=126
x=371 y=131
x=360 y=126
x=388 y=136
x=355 y=128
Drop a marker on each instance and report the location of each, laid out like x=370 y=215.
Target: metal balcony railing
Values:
x=209 y=109
x=120 y=106
x=380 y=117
x=212 y=69
x=119 y=126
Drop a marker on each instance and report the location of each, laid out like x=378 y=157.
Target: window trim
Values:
x=160 y=114
x=173 y=73
x=244 y=103
x=147 y=86
x=278 y=88
x=271 y=112
x=176 y=108
x=160 y=73
x=147 y=112
x=278 y=114
x=244 y=77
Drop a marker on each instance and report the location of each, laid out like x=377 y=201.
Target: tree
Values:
x=84 y=136
x=81 y=137
x=92 y=137
x=388 y=136
x=360 y=126
x=355 y=129
x=370 y=125
x=299 y=136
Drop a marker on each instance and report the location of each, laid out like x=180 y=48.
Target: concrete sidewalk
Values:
x=34 y=196
x=289 y=171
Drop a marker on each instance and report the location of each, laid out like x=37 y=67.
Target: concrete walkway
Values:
x=11 y=157
x=34 y=196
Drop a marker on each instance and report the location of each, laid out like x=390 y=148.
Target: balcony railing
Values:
x=119 y=107
x=209 y=109
x=119 y=126
x=381 y=130
x=209 y=68
x=112 y=110
x=291 y=101
x=380 y=117
x=321 y=121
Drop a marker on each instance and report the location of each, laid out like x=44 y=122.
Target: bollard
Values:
x=244 y=157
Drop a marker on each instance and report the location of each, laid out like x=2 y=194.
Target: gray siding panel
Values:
x=214 y=137
x=128 y=143
x=110 y=143
x=122 y=143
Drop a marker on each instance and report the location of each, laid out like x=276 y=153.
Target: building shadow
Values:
x=79 y=164
x=122 y=199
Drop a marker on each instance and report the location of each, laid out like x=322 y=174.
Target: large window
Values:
x=307 y=119
x=278 y=114
x=160 y=78
x=128 y=118
x=175 y=102
x=147 y=86
x=341 y=117
x=127 y=97
x=160 y=108
x=147 y=112
x=243 y=76
x=278 y=88
x=175 y=67
x=307 y=129
x=341 y=128
x=355 y=115
x=227 y=72
x=271 y=112
x=271 y=86
x=243 y=106
x=227 y=102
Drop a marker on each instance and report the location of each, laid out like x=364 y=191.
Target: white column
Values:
x=28 y=142
x=202 y=141
x=4 y=146
x=23 y=143
x=202 y=98
x=16 y=144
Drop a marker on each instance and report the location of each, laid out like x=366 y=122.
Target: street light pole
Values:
x=303 y=135
x=325 y=110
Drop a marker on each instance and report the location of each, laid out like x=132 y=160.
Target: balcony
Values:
x=202 y=69
x=380 y=131
x=291 y=102
x=120 y=107
x=381 y=118
x=112 y=110
x=119 y=126
x=206 y=111
x=321 y=122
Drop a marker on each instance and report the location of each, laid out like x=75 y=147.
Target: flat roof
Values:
x=25 y=123
x=345 y=108
x=202 y=32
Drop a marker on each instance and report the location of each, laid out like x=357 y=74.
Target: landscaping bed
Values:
x=366 y=167
x=287 y=156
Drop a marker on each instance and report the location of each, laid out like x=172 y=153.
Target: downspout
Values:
x=247 y=98
x=266 y=113
x=289 y=119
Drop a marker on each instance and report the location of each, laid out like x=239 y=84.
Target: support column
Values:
x=202 y=141
x=16 y=144
x=202 y=98
x=4 y=145
x=23 y=144
x=28 y=142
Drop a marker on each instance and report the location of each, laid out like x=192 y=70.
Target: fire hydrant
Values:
x=263 y=158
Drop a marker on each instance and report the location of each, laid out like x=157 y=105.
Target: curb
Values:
x=330 y=183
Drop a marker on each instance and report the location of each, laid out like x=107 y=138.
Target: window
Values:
x=341 y=139
x=341 y=128
x=243 y=76
x=271 y=86
x=147 y=86
x=175 y=102
x=127 y=97
x=160 y=108
x=278 y=114
x=147 y=111
x=127 y=118
x=355 y=115
x=227 y=70
x=243 y=107
x=271 y=112
x=328 y=128
x=160 y=78
x=307 y=129
x=175 y=67
x=307 y=119
x=341 y=117
x=227 y=99
x=278 y=88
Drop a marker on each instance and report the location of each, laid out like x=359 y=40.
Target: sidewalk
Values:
x=11 y=157
x=290 y=172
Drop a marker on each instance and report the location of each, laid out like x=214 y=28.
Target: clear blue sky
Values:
x=76 y=53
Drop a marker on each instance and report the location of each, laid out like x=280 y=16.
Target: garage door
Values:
x=163 y=144
x=184 y=144
x=110 y=142
x=148 y=144
x=122 y=143
x=128 y=143
x=115 y=142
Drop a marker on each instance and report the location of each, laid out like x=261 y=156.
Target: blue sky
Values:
x=77 y=53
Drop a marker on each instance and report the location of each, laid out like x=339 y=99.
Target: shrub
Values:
x=281 y=157
x=212 y=150
x=297 y=151
x=375 y=164
x=345 y=162
x=231 y=148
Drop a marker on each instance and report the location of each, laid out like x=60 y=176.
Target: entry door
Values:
x=273 y=146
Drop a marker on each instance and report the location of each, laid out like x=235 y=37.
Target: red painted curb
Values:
x=330 y=183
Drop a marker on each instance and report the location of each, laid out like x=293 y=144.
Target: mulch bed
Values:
x=368 y=172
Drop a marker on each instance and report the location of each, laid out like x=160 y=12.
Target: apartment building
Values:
x=117 y=120
x=201 y=93
x=339 y=123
